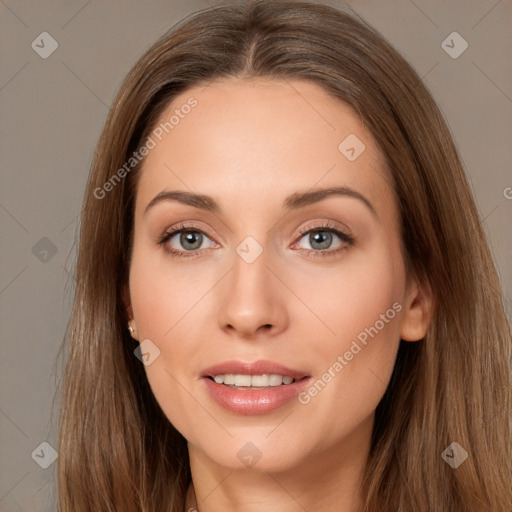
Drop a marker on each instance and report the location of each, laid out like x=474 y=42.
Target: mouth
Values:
x=253 y=388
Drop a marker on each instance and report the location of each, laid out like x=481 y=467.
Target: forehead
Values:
x=257 y=141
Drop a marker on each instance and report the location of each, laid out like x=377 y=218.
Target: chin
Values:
x=257 y=454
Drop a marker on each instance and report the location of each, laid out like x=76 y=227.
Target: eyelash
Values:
x=348 y=240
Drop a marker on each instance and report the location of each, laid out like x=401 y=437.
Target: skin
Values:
x=249 y=144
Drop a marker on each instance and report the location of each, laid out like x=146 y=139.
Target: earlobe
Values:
x=417 y=314
x=133 y=331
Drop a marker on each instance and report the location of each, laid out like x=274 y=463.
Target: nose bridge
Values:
x=250 y=265
x=252 y=298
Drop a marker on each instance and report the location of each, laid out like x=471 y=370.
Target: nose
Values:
x=253 y=299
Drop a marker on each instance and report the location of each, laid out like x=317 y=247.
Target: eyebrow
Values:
x=292 y=202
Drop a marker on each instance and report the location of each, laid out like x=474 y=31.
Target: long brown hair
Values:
x=117 y=450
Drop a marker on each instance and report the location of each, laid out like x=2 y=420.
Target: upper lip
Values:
x=252 y=368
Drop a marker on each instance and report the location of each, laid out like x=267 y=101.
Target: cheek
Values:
x=167 y=307
x=362 y=306
x=351 y=296
x=162 y=294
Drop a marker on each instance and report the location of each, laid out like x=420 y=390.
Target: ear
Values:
x=125 y=294
x=127 y=302
x=418 y=309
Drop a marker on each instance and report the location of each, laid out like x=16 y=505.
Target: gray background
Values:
x=52 y=112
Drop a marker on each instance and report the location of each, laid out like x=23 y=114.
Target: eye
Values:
x=321 y=238
x=184 y=239
x=188 y=241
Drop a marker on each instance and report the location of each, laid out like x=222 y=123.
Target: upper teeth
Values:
x=252 y=380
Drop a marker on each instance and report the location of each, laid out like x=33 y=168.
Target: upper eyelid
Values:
x=327 y=225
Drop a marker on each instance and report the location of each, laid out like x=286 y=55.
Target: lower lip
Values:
x=254 y=401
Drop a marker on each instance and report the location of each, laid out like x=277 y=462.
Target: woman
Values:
x=334 y=337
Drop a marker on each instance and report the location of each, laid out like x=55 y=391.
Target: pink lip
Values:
x=254 y=368
x=253 y=401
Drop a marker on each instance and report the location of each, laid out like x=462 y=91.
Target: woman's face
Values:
x=271 y=275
